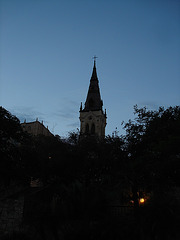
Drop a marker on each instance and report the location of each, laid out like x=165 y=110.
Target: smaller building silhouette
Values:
x=36 y=128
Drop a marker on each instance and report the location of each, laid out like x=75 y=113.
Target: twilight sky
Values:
x=46 y=49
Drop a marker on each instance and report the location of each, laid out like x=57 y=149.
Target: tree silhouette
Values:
x=82 y=178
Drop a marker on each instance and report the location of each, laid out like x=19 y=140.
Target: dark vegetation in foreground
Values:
x=122 y=187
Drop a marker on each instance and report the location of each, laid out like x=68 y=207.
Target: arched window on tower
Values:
x=87 y=128
x=93 y=129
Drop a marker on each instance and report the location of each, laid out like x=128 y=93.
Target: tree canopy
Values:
x=83 y=177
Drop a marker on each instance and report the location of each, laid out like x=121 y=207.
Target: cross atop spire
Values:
x=95 y=58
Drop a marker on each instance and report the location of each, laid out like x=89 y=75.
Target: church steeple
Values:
x=94 y=73
x=92 y=116
x=93 y=100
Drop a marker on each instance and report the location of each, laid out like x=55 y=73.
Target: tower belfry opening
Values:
x=92 y=116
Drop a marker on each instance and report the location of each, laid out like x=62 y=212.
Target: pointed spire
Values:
x=93 y=100
x=81 y=107
x=94 y=73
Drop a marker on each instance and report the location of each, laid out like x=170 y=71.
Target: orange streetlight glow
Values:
x=141 y=200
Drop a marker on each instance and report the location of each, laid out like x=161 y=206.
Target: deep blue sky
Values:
x=46 y=58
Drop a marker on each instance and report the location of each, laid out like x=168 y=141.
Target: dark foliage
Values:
x=84 y=179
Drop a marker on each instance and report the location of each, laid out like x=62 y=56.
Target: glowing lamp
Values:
x=141 y=200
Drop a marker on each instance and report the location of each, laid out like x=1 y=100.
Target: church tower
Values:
x=92 y=117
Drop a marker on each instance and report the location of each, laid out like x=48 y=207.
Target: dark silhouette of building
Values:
x=92 y=116
x=36 y=128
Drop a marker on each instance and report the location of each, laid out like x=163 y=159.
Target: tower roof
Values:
x=93 y=100
x=94 y=73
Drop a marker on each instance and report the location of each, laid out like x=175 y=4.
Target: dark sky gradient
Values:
x=46 y=57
